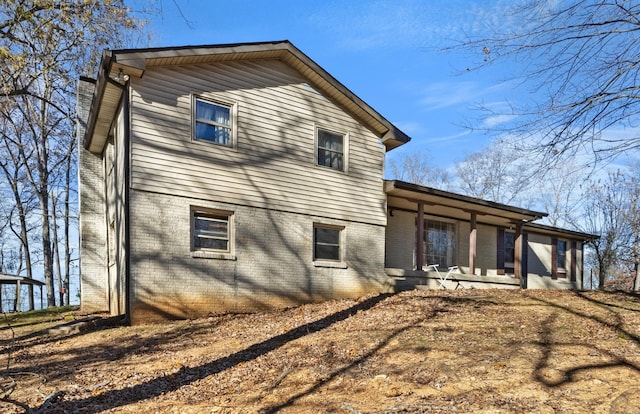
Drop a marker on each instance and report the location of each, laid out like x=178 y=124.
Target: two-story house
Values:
x=227 y=178
x=231 y=178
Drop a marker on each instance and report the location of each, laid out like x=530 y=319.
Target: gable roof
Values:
x=133 y=62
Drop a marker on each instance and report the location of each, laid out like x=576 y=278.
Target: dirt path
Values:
x=434 y=351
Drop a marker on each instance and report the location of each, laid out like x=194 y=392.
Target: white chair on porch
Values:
x=441 y=279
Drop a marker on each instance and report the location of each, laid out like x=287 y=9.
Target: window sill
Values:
x=213 y=255
x=327 y=168
x=334 y=265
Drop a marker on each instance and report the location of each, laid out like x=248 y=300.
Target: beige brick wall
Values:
x=539 y=254
x=486 y=251
x=539 y=276
x=400 y=240
x=93 y=236
x=273 y=266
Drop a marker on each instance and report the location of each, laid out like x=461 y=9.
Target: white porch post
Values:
x=18 y=299
x=420 y=237
x=472 y=243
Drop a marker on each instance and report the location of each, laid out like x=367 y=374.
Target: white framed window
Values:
x=211 y=231
x=331 y=149
x=214 y=121
x=328 y=243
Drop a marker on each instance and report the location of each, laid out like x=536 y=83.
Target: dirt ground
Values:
x=472 y=351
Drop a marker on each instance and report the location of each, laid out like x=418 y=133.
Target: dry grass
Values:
x=473 y=351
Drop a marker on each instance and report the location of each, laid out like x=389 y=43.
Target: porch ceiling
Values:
x=406 y=196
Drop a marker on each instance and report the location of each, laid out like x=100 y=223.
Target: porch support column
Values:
x=517 y=260
x=18 y=300
x=420 y=237
x=472 y=243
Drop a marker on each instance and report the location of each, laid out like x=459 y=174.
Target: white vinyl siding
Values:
x=274 y=162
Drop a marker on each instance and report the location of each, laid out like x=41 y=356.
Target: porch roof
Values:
x=7 y=279
x=406 y=196
x=556 y=231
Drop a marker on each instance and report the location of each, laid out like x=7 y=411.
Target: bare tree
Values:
x=13 y=169
x=559 y=193
x=45 y=46
x=602 y=216
x=580 y=59
x=630 y=212
x=419 y=168
x=495 y=173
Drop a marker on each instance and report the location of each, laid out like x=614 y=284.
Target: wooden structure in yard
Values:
x=19 y=281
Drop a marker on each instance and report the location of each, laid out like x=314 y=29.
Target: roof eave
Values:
x=105 y=103
x=552 y=230
x=395 y=186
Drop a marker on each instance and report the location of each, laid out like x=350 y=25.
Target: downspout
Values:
x=126 y=107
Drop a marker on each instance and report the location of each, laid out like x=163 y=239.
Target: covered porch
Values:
x=475 y=243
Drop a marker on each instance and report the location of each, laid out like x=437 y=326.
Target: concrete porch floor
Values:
x=406 y=279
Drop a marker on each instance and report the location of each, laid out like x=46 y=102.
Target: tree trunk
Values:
x=56 y=249
x=636 y=262
x=602 y=271
x=46 y=250
x=24 y=240
x=67 y=218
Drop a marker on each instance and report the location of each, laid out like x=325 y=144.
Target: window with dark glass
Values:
x=330 y=149
x=562 y=254
x=439 y=241
x=509 y=248
x=326 y=243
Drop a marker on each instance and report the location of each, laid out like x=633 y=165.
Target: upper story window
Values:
x=330 y=149
x=213 y=122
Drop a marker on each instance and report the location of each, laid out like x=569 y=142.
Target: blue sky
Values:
x=386 y=52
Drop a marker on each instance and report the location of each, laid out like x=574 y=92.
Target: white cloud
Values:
x=410 y=23
x=448 y=138
x=411 y=128
x=496 y=120
x=446 y=94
